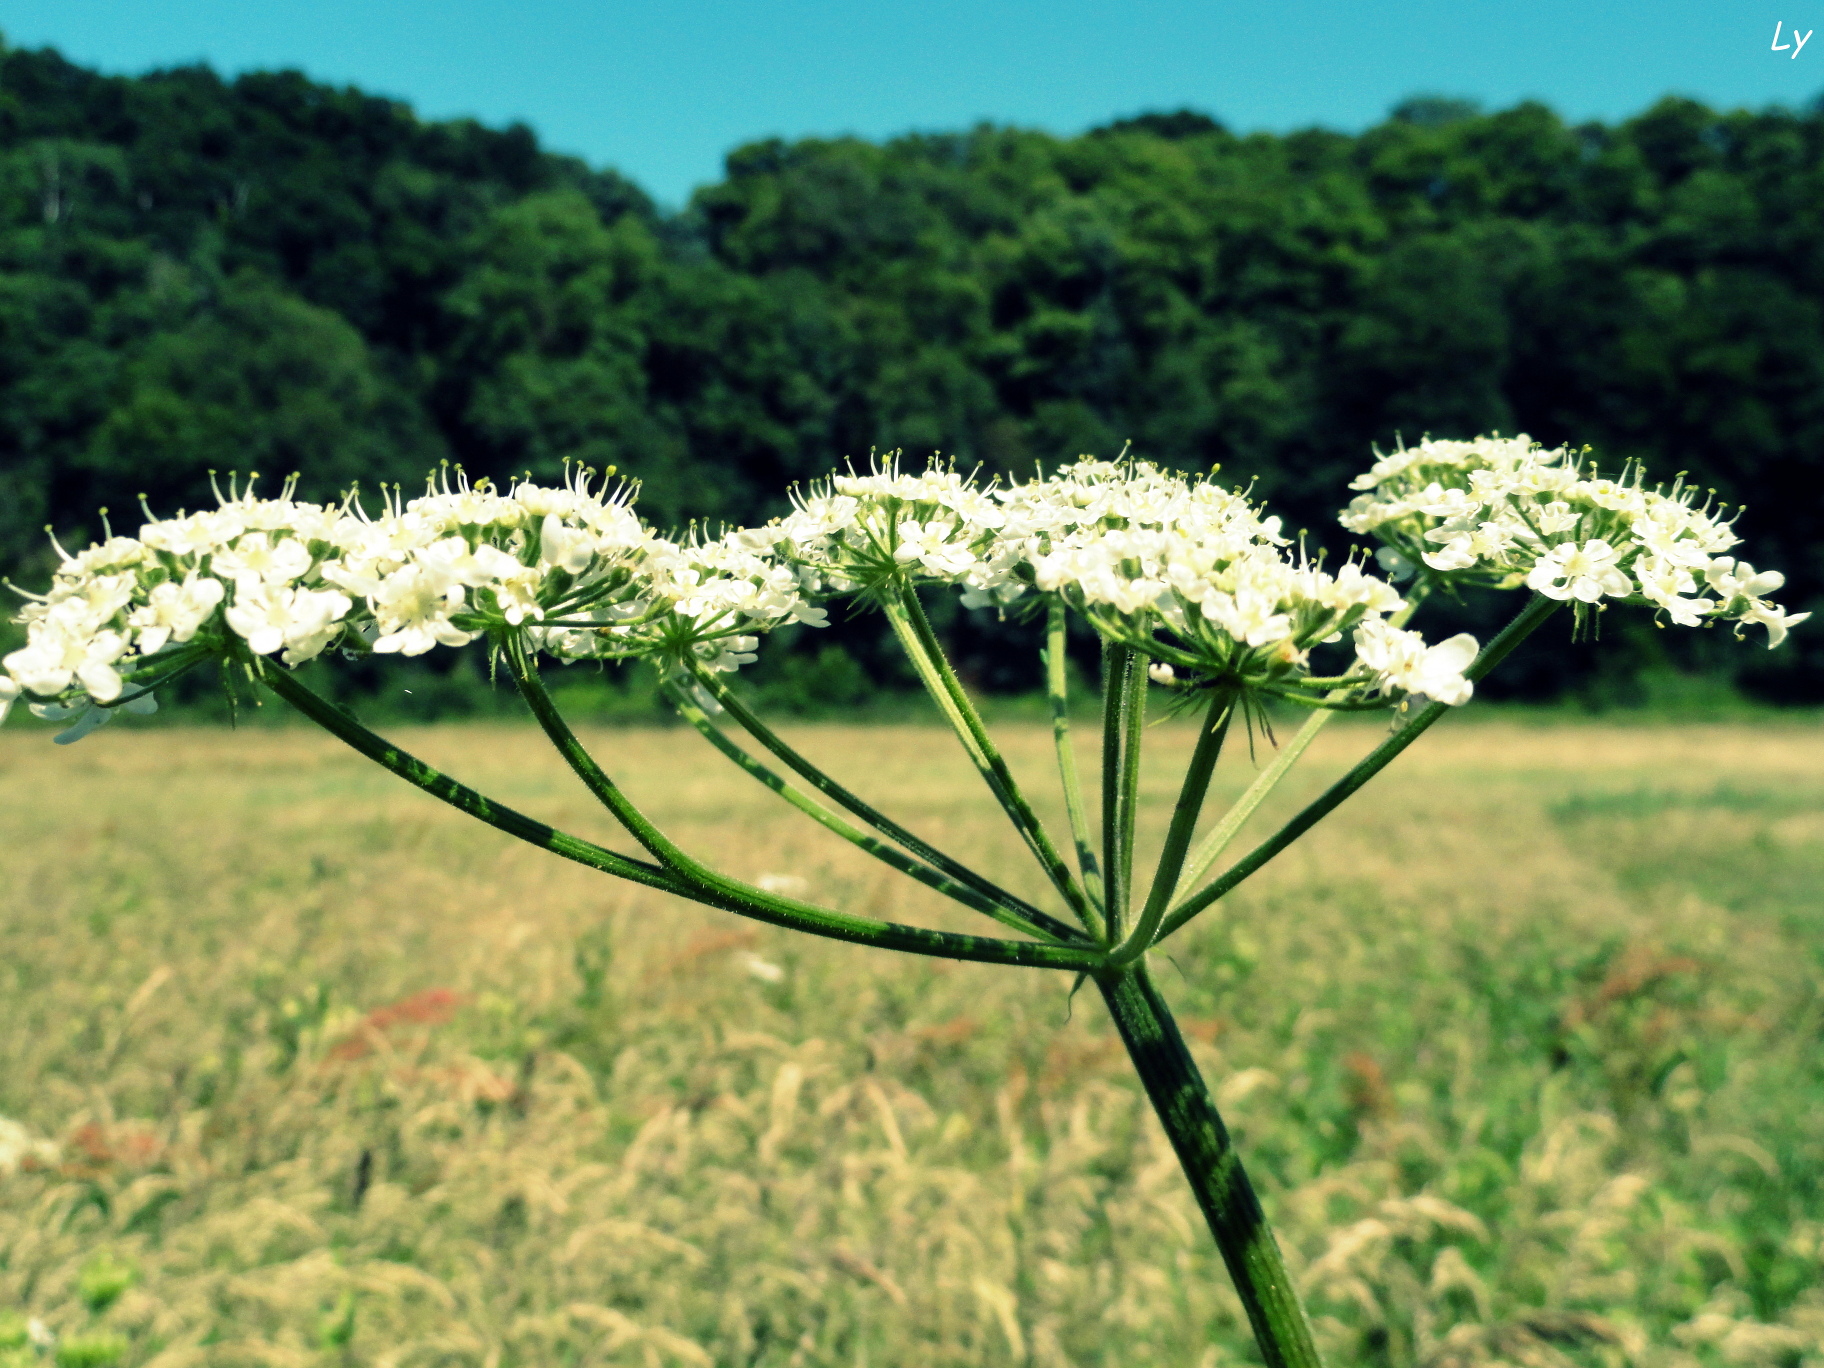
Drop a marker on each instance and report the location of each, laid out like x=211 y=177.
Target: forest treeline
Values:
x=271 y=274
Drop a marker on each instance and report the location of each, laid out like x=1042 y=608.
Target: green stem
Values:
x=1057 y=691
x=880 y=850
x=718 y=890
x=886 y=826
x=459 y=796
x=1221 y=1185
x=1123 y=726
x=1529 y=618
x=1210 y=849
x=1184 y=823
x=913 y=628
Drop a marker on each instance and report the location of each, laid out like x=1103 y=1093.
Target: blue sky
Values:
x=663 y=90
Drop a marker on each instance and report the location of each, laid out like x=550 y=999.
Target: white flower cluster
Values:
x=865 y=533
x=1190 y=574
x=572 y=567
x=1509 y=512
x=1183 y=570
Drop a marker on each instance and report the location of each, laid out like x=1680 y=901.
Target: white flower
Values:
x=1555 y=517
x=270 y=616
x=1249 y=616
x=52 y=658
x=174 y=612
x=1742 y=587
x=9 y=694
x=1464 y=544
x=1664 y=582
x=1401 y=660
x=482 y=565
x=1775 y=619
x=563 y=547
x=1586 y=572
x=1737 y=579
x=188 y=536
x=412 y=609
x=1563 y=531
x=257 y=558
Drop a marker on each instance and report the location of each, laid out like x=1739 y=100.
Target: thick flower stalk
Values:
x=1189 y=585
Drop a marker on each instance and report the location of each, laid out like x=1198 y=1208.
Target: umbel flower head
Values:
x=872 y=533
x=1187 y=573
x=1182 y=570
x=571 y=568
x=1507 y=512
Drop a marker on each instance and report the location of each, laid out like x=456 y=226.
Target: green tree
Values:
x=255 y=380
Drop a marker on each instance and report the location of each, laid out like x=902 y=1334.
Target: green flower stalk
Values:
x=1193 y=590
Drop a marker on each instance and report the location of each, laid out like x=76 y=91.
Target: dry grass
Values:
x=1522 y=1047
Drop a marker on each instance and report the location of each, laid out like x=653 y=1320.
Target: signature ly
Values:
x=1798 y=43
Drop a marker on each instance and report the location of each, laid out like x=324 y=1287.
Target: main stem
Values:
x=1192 y=1123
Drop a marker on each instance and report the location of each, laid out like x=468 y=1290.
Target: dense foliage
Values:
x=270 y=274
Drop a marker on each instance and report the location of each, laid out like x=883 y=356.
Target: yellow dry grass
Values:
x=1521 y=1047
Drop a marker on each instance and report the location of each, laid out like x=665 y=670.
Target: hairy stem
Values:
x=1195 y=1128
x=1210 y=848
x=459 y=796
x=1123 y=727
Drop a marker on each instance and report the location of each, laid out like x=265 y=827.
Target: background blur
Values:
x=264 y=271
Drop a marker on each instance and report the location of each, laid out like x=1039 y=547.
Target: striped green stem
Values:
x=1194 y=1126
x=1057 y=693
x=855 y=806
x=1529 y=618
x=1046 y=929
x=459 y=796
x=718 y=890
x=1123 y=728
x=1210 y=848
x=907 y=617
x=1197 y=776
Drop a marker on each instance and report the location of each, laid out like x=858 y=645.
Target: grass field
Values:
x=299 y=1068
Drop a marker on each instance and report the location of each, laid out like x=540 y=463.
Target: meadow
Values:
x=298 y=1067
